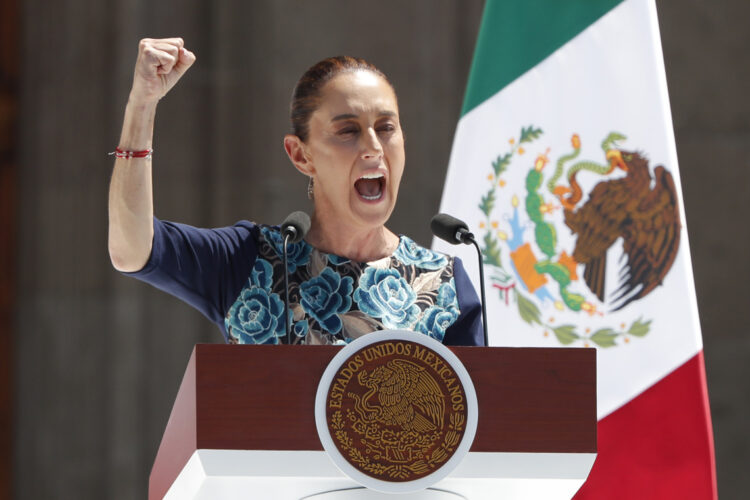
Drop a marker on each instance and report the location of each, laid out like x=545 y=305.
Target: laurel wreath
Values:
x=398 y=471
x=452 y=438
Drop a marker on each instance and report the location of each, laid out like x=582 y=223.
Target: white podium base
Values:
x=297 y=475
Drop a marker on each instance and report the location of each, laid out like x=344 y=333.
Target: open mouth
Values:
x=370 y=186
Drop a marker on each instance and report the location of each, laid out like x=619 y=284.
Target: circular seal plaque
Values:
x=396 y=411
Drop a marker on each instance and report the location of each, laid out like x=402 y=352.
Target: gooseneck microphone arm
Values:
x=286 y=292
x=293 y=230
x=481 y=291
x=455 y=231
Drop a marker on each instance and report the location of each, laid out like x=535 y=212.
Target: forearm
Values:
x=160 y=64
x=131 y=207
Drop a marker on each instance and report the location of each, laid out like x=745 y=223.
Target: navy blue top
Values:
x=234 y=276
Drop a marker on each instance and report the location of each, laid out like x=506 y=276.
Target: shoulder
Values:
x=411 y=253
x=240 y=230
x=271 y=246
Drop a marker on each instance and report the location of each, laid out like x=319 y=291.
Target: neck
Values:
x=354 y=243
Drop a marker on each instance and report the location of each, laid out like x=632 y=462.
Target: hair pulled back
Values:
x=306 y=95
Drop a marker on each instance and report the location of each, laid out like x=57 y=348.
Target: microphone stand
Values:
x=293 y=229
x=286 y=293
x=481 y=290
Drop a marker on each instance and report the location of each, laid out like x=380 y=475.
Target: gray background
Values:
x=99 y=357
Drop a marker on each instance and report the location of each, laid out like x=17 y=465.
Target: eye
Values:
x=348 y=130
x=386 y=127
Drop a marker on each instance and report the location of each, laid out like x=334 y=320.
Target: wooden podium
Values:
x=243 y=426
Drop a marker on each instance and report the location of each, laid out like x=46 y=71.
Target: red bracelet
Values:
x=119 y=153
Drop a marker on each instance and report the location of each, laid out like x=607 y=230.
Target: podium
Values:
x=243 y=426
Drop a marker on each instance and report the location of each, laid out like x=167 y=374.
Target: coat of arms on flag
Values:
x=629 y=204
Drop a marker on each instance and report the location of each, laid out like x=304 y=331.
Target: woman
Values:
x=350 y=276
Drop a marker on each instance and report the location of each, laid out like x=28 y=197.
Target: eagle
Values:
x=641 y=209
x=409 y=397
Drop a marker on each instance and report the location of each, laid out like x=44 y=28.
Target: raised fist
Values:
x=161 y=62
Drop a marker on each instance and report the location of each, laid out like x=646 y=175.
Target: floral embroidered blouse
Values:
x=235 y=277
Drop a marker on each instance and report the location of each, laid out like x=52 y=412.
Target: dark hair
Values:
x=306 y=95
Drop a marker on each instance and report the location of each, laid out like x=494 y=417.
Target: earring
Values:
x=310 y=189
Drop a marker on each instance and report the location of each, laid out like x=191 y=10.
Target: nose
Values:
x=371 y=147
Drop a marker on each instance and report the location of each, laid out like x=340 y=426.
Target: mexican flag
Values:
x=565 y=168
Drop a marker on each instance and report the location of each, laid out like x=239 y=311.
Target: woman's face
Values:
x=356 y=150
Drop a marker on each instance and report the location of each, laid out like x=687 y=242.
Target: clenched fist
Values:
x=161 y=63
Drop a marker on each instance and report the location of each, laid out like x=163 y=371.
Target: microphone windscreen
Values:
x=296 y=225
x=446 y=227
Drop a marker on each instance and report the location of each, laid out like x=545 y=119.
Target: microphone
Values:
x=295 y=226
x=450 y=229
x=293 y=229
x=455 y=231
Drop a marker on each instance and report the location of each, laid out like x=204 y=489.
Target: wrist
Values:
x=137 y=102
x=128 y=154
x=138 y=126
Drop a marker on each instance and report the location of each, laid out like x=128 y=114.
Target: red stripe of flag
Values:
x=659 y=445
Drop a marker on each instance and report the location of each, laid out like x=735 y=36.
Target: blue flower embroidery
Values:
x=383 y=293
x=447 y=295
x=297 y=253
x=411 y=253
x=262 y=275
x=436 y=319
x=256 y=317
x=326 y=296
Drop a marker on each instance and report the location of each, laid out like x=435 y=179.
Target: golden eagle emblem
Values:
x=408 y=397
x=397 y=410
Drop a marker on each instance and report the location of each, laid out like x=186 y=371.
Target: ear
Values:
x=297 y=152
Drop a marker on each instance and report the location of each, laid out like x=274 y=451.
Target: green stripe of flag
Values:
x=516 y=35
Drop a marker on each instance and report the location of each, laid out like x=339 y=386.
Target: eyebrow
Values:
x=349 y=116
